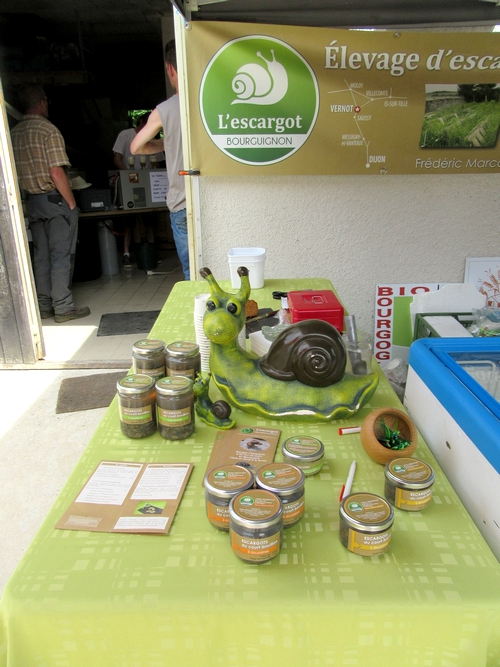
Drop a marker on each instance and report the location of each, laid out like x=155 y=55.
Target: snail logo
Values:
x=255 y=84
x=259 y=100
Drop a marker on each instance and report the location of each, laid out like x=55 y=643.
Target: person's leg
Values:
x=41 y=258
x=62 y=230
x=41 y=268
x=179 y=229
x=126 y=247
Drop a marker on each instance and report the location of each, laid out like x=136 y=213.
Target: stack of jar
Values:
x=255 y=509
x=159 y=392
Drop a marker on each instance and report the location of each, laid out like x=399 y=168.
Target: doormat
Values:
x=87 y=392
x=121 y=324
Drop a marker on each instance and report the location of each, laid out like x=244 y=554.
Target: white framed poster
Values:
x=484 y=273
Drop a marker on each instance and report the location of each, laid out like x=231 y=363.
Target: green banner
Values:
x=294 y=100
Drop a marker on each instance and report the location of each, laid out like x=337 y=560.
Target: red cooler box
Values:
x=316 y=305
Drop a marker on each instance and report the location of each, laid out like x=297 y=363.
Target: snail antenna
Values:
x=245 y=289
x=215 y=290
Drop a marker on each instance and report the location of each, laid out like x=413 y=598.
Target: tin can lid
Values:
x=367 y=511
x=183 y=348
x=409 y=473
x=303 y=447
x=174 y=385
x=148 y=345
x=283 y=479
x=256 y=508
x=229 y=480
x=135 y=384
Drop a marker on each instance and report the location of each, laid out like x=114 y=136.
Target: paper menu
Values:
x=128 y=497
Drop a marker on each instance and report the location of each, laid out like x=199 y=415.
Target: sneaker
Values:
x=45 y=314
x=74 y=314
x=126 y=260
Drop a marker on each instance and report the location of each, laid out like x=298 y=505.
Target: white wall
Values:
x=357 y=231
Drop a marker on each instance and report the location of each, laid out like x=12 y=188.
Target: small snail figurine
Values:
x=301 y=378
x=214 y=414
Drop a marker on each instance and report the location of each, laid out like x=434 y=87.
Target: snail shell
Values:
x=252 y=80
x=311 y=352
x=221 y=409
x=255 y=84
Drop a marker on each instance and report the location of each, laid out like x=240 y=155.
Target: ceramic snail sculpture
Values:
x=301 y=378
x=214 y=414
x=255 y=84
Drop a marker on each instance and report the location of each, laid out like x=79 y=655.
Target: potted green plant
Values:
x=388 y=433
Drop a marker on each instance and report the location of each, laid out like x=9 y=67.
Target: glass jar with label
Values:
x=366 y=524
x=183 y=358
x=222 y=484
x=256 y=525
x=148 y=357
x=175 y=407
x=305 y=452
x=287 y=482
x=408 y=484
x=136 y=405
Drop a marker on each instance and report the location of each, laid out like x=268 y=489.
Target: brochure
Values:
x=127 y=497
x=247 y=446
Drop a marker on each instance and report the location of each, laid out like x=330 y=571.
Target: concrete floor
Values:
x=39 y=448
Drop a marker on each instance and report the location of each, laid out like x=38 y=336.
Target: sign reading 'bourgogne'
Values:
x=293 y=100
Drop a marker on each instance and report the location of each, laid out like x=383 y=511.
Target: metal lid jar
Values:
x=148 y=357
x=288 y=483
x=366 y=523
x=175 y=407
x=408 y=484
x=256 y=525
x=305 y=452
x=222 y=484
x=183 y=358
x=136 y=405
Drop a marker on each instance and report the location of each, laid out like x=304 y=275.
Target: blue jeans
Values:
x=54 y=228
x=179 y=229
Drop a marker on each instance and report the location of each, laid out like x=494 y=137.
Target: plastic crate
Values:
x=423 y=329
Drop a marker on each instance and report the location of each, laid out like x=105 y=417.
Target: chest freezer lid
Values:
x=438 y=361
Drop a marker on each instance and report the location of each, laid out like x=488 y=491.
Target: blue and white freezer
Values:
x=452 y=394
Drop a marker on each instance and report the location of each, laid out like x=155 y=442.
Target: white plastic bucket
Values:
x=254 y=260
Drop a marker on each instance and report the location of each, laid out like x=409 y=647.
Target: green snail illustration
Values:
x=256 y=84
x=277 y=385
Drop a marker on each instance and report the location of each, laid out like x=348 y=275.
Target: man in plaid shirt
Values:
x=41 y=163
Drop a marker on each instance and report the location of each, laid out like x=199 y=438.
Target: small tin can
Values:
x=148 y=357
x=287 y=482
x=183 y=358
x=408 y=484
x=305 y=452
x=222 y=484
x=256 y=525
x=366 y=524
x=136 y=405
x=175 y=407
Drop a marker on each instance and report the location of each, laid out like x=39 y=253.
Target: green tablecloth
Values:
x=83 y=598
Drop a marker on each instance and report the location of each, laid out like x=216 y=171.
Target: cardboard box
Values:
x=316 y=305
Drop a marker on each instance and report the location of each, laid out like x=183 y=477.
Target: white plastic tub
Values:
x=253 y=259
